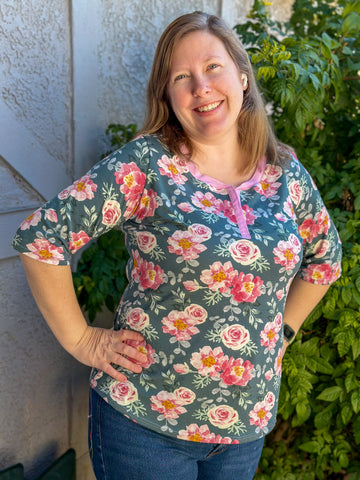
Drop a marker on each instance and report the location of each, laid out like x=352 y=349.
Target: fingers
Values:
x=130 y=345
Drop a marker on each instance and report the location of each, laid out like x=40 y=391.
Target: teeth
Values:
x=208 y=108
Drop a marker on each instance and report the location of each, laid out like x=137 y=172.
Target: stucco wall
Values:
x=67 y=70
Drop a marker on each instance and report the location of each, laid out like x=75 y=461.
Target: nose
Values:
x=200 y=86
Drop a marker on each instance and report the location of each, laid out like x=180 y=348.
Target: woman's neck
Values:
x=226 y=163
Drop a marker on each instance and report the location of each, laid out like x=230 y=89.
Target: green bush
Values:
x=308 y=71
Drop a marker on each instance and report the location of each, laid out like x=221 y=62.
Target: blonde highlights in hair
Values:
x=256 y=137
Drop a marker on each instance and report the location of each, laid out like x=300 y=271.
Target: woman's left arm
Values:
x=302 y=299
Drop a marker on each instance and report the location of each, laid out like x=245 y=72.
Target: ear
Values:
x=244 y=80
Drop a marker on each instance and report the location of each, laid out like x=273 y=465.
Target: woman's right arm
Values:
x=53 y=291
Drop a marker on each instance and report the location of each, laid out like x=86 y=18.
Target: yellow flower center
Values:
x=195 y=438
x=264 y=185
x=206 y=202
x=179 y=324
x=173 y=169
x=167 y=404
x=239 y=371
x=288 y=254
x=129 y=180
x=80 y=186
x=261 y=413
x=249 y=287
x=270 y=335
x=183 y=243
x=145 y=201
x=151 y=274
x=219 y=276
x=45 y=254
x=209 y=361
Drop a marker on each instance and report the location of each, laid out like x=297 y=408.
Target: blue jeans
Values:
x=121 y=449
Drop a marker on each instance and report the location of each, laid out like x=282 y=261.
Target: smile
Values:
x=208 y=108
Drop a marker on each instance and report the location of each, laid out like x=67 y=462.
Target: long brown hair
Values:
x=256 y=137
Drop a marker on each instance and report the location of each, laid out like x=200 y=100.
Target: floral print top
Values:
x=209 y=271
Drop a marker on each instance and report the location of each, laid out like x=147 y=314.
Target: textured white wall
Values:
x=67 y=70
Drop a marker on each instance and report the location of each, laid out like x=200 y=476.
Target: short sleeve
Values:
x=108 y=195
x=321 y=263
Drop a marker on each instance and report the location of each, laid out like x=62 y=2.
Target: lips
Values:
x=208 y=108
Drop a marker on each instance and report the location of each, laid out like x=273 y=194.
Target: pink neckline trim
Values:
x=220 y=185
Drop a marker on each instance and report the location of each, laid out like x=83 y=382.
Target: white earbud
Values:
x=244 y=79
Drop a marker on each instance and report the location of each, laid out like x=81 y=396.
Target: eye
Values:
x=212 y=66
x=179 y=77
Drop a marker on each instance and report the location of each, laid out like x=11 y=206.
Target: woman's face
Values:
x=205 y=89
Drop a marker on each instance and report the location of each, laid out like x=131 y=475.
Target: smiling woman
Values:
x=215 y=225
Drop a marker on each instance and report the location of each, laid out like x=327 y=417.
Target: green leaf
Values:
x=346 y=413
x=330 y=394
x=351 y=23
x=310 y=447
x=355 y=401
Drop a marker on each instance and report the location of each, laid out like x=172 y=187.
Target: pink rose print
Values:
x=147 y=205
x=173 y=168
x=207 y=202
x=246 y=288
x=123 y=393
x=223 y=416
x=208 y=361
x=235 y=336
x=144 y=348
x=278 y=363
x=244 y=252
x=295 y=192
x=146 y=241
x=319 y=274
x=323 y=221
x=286 y=253
x=219 y=277
x=51 y=215
x=137 y=319
x=270 y=334
x=227 y=210
x=82 y=189
x=168 y=404
x=180 y=325
x=182 y=368
x=197 y=313
x=96 y=377
x=194 y=433
x=201 y=232
x=78 y=240
x=150 y=275
x=186 y=207
x=131 y=179
x=321 y=248
x=137 y=265
x=185 y=244
x=111 y=213
x=250 y=217
x=191 y=286
x=32 y=220
x=308 y=230
x=268 y=185
x=185 y=395
x=225 y=440
x=45 y=251
x=237 y=372
x=260 y=415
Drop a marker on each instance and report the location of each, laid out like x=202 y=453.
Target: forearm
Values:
x=302 y=299
x=53 y=291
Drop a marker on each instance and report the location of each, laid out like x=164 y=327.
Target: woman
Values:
x=231 y=248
